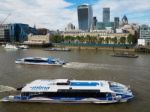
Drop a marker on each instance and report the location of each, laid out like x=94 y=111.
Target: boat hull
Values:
x=124 y=56
x=47 y=64
x=66 y=100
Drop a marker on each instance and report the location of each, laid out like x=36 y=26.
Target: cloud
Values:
x=52 y=14
x=55 y=14
x=136 y=10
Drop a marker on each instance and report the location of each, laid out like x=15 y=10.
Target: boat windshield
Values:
x=35 y=60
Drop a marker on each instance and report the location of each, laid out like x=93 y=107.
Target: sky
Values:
x=56 y=14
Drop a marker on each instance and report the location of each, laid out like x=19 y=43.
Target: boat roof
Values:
x=42 y=85
x=40 y=58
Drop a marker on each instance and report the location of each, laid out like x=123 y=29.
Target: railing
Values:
x=94 y=45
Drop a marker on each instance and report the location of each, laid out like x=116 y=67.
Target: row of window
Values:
x=69 y=94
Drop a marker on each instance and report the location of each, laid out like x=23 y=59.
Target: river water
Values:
x=83 y=64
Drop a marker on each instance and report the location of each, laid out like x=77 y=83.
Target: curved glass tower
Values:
x=85 y=17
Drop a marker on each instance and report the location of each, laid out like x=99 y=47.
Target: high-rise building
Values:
x=94 y=23
x=124 y=20
x=116 y=22
x=85 y=17
x=106 y=15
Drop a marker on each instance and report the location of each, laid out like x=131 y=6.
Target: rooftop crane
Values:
x=1 y=22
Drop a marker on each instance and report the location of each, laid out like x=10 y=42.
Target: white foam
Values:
x=77 y=65
x=6 y=88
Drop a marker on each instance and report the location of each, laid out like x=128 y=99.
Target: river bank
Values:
x=97 y=48
x=101 y=48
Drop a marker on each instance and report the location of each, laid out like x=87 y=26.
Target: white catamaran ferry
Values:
x=40 y=61
x=72 y=91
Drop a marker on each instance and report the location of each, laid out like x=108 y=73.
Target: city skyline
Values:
x=56 y=14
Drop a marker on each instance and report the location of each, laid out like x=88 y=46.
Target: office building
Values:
x=19 y=32
x=42 y=31
x=124 y=20
x=4 y=33
x=94 y=23
x=70 y=27
x=85 y=17
x=144 y=38
x=106 y=15
x=104 y=26
x=116 y=22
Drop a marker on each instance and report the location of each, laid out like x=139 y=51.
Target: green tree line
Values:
x=130 y=39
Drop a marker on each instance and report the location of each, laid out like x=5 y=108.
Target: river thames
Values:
x=83 y=64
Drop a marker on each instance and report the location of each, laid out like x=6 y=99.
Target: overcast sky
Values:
x=56 y=14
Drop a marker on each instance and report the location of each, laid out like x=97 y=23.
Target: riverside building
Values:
x=144 y=38
x=4 y=33
x=96 y=33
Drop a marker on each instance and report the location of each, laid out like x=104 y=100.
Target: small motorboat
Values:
x=23 y=47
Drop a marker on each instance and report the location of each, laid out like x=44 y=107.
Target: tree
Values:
x=107 y=40
x=69 y=38
x=114 y=40
x=56 y=39
x=93 y=39
x=101 y=40
x=131 y=39
x=88 y=39
x=123 y=40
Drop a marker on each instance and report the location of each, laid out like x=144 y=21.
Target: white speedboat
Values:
x=9 y=46
x=72 y=91
x=40 y=61
x=23 y=47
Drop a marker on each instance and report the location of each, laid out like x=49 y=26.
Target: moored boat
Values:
x=40 y=61
x=23 y=47
x=125 y=54
x=9 y=46
x=58 y=49
x=72 y=91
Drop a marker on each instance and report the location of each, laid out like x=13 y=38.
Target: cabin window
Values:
x=35 y=61
x=75 y=93
x=63 y=83
x=25 y=94
x=69 y=93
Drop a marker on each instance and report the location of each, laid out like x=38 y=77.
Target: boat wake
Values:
x=90 y=66
x=94 y=66
x=6 y=88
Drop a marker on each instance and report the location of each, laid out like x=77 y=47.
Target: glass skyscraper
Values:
x=85 y=17
x=106 y=15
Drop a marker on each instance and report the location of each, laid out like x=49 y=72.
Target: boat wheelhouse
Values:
x=40 y=61
x=72 y=91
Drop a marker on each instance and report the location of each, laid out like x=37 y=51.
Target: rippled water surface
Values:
x=82 y=64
